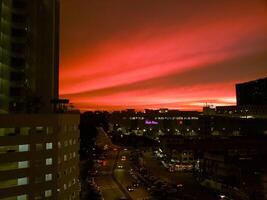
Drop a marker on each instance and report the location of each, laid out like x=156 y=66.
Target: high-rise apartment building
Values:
x=38 y=147
x=29 y=48
x=252 y=93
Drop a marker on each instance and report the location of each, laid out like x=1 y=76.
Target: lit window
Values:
x=49 y=145
x=65 y=157
x=70 y=142
x=59 y=145
x=23 y=164
x=22 y=197
x=65 y=186
x=74 y=154
x=48 y=193
x=39 y=129
x=48 y=161
x=23 y=181
x=48 y=177
x=24 y=148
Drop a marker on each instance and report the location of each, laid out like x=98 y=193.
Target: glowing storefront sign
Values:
x=151 y=122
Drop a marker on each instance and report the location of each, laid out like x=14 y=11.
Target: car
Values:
x=120 y=166
x=123 y=158
x=135 y=184
x=130 y=188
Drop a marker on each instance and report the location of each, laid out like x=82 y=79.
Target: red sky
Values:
x=152 y=53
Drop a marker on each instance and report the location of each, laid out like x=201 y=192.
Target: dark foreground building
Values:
x=29 y=54
x=252 y=92
x=38 y=148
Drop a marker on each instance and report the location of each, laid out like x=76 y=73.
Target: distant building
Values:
x=251 y=100
x=252 y=93
x=237 y=172
x=249 y=111
x=157 y=122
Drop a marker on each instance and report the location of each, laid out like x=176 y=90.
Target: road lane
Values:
x=124 y=177
x=108 y=187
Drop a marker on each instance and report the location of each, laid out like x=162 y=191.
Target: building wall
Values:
x=29 y=55
x=39 y=156
x=252 y=93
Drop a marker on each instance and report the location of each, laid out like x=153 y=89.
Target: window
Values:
x=49 y=130
x=49 y=145
x=25 y=131
x=37 y=197
x=14 y=131
x=74 y=154
x=65 y=186
x=39 y=147
x=38 y=179
x=48 y=193
x=65 y=128
x=48 y=161
x=39 y=129
x=23 y=181
x=75 y=127
x=24 y=148
x=23 y=164
x=59 y=145
x=65 y=157
x=48 y=177
x=22 y=197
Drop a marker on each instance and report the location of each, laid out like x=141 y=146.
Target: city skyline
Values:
x=146 y=54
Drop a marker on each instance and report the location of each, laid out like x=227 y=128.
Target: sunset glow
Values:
x=160 y=56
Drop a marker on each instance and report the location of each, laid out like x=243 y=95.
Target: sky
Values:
x=176 y=54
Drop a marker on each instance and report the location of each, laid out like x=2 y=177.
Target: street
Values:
x=115 y=181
